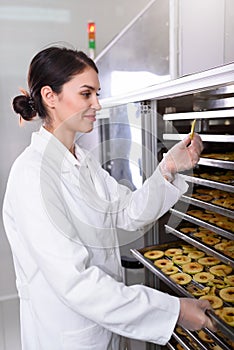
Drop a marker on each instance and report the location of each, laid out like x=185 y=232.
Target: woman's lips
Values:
x=91 y=117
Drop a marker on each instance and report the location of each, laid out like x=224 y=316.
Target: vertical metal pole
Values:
x=150 y=150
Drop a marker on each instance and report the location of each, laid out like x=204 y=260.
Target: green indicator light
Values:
x=92 y=44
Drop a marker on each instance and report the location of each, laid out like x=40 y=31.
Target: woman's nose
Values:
x=96 y=105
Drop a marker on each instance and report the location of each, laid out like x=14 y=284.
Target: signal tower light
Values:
x=91 y=37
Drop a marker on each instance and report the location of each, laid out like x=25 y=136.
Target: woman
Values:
x=61 y=211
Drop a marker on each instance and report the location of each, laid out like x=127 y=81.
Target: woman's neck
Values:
x=66 y=137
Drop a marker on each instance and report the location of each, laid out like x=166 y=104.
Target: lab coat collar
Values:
x=47 y=144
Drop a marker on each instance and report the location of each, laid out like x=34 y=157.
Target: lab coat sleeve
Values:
x=137 y=311
x=145 y=205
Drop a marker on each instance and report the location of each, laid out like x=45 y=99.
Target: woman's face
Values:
x=76 y=105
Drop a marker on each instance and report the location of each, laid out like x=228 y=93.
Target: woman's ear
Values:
x=48 y=96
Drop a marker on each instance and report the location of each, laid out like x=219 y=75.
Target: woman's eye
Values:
x=86 y=94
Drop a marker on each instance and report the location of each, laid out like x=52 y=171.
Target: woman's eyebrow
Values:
x=89 y=87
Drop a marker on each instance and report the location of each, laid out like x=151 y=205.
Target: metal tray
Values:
x=209 y=250
x=191 y=340
x=180 y=290
x=197 y=221
x=208 y=205
x=208 y=183
x=224 y=164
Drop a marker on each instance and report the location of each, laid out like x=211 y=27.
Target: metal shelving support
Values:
x=208 y=183
x=202 y=223
x=223 y=164
x=208 y=206
x=199 y=115
x=205 y=137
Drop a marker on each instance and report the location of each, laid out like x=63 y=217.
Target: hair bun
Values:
x=24 y=105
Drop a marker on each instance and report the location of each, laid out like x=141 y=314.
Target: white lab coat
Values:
x=60 y=215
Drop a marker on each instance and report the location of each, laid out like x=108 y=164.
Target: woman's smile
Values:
x=90 y=117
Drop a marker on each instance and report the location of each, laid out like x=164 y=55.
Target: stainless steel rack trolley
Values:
x=167 y=112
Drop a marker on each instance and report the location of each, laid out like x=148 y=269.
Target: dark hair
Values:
x=53 y=66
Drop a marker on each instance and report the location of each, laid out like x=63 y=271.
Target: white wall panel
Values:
x=201 y=25
x=10 y=311
x=2 y=336
x=229 y=32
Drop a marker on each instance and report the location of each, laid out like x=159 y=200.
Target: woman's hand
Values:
x=192 y=314
x=183 y=156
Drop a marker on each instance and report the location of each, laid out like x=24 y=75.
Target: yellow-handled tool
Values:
x=192 y=129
